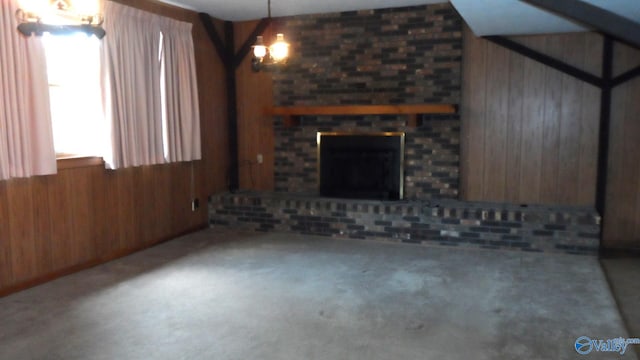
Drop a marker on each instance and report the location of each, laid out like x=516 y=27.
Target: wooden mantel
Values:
x=291 y=114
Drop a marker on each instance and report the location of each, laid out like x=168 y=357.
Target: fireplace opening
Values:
x=361 y=166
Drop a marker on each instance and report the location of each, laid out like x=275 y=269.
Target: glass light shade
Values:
x=280 y=49
x=259 y=50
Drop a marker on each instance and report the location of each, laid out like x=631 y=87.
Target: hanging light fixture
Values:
x=264 y=56
x=36 y=17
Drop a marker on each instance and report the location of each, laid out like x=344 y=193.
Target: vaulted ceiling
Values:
x=486 y=17
x=238 y=10
x=511 y=17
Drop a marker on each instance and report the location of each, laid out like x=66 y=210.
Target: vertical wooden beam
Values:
x=232 y=106
x=605 y=115
x=226 y=51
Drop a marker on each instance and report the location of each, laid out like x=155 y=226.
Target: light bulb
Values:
x=259 y=50
x=280 y=49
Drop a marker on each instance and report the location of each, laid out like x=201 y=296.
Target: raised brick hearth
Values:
x=572 y=230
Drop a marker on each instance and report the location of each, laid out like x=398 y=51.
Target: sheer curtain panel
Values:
x=181 y=92
x=26 y=140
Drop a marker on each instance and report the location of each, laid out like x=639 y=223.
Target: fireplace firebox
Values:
x=361 y=166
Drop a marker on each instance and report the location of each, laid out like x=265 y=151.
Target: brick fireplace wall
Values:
x=409 y=55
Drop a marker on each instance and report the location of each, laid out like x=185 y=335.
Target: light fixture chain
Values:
x=269 y=8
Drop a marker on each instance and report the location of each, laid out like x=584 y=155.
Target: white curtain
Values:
x=150 y=88
x=131 y=66
x=26 y=140
x=181 y=92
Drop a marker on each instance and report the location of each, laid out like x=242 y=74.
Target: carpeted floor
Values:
x=220 y=295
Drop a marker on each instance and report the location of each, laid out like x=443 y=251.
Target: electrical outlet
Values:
x=195 y=204
x=259 y=158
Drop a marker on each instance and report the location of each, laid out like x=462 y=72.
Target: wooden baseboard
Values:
x=89 y=264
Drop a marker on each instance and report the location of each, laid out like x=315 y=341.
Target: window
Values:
x=73 y=67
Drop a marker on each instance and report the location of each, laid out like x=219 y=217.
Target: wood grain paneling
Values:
x=551 y=131
x=524 y=128
x=551 y=123
x=570 y=115
x=514 y=127
x=589 y=130
x=496 y=121
x=52 y=225
x=255 y=129
x=474 y=117
x=532 y=131
x=6 y=268
x=622 y=211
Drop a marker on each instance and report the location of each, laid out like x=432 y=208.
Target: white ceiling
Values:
x=485 y=17
x=238 y=10
x=511 y=17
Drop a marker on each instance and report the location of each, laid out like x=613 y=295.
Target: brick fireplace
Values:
x=408 y=55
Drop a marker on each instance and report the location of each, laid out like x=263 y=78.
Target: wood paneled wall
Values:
x=529 y=132
x=622 y=211
x=82 y=216
x=88 y=214
x=255 y=130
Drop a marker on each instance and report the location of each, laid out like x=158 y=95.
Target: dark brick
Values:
x=542 y=233
x=469 y=234
x=589 y=235
x=355 y=227
x=500 y=230
x=498 y=243
x=450 y=221
x=479 y=229
x=511 y=224
x=382 y=223
x=555 y=227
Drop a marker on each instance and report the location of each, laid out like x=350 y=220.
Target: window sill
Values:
x=72 y=162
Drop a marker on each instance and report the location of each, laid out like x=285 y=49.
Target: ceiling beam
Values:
x=626 y=76
x=547 y=60
x=215 y=38
x=607 y=22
